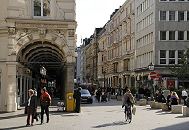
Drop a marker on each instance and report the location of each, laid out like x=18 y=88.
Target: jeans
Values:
x=46 y=109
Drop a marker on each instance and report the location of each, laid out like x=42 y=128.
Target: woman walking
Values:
x=31 y=108
x=45 y=101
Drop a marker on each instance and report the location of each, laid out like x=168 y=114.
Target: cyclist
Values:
x=128 y=101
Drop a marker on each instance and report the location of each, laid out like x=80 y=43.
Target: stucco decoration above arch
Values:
x=26 y=37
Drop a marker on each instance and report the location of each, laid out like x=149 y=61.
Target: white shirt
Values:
x=29 y=101
x=184 y=93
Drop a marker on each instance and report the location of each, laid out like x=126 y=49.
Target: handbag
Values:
x=25 y=110
x=134 y=110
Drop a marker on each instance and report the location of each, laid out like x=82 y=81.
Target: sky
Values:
x=91 y=14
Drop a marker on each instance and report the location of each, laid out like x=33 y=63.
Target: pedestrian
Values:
x=35 y=95
x=45 y=101
x=184 y=96
x=128 y=102
x=174 y=99
x=168 y=101
x=31 y=107
x=109 y=93
x=98 y=94
x=77 y=97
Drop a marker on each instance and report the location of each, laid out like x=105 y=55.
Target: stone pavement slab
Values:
x=103 y=116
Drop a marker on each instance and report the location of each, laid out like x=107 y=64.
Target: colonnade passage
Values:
x=41 y=65
x=23 y=71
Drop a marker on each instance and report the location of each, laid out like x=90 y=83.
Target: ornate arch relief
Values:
x=24 y=38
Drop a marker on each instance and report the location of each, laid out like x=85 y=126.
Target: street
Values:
x=100 y=116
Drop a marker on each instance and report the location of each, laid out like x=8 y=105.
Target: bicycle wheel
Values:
x=129 y=115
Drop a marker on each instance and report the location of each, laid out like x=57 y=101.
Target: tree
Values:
x=181 y=70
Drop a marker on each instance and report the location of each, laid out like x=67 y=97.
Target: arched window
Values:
x=41 y=7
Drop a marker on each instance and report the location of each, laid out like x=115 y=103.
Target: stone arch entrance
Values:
x=30 y=46
x=31 y=58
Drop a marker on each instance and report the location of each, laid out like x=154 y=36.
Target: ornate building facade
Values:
x=117 y=48
x=35 y=33
x=139 y=34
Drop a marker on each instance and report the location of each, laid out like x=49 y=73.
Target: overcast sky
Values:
x=91 y=14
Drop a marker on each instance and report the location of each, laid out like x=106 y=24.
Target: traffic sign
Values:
x=154 y=75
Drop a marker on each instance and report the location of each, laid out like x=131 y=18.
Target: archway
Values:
x=31 y=57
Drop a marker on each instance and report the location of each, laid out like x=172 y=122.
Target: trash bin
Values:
x=70 y=103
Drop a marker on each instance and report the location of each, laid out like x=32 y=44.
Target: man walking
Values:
x=77 y=97
x=184 y=96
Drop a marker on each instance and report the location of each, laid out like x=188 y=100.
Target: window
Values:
x=180 y=55
x=172 y=15
x=171 y=35
x=180 y=15
x=162 y=56
x=126 y=64
x=115 y=67
x=41 y=7
x=102 y=70
x=180 y=35
x=187 y=35
x=188 y=15
x=162 y=15
x=0 y=82
x=162 y=35
x=102 y=58
x=172 y=57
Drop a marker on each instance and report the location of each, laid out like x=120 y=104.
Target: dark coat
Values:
x=33 y=105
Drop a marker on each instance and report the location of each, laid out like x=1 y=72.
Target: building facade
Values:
x=161 y=37
x=117 y=48
x=142 y=33
x=35 y=33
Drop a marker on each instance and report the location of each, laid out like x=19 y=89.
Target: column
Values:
x=11 y=92
x=69 y=75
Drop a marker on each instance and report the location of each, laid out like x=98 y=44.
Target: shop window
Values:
x=41 y=7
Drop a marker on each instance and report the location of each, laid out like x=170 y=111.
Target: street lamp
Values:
x=104 y=72
x=151 y=66
x=43 y=71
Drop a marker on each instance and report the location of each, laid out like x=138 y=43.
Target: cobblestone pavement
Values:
x=99 y=116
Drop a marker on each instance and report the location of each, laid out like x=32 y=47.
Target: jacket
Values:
x=45 y=99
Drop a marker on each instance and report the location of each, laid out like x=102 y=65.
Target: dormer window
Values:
x=41 y=7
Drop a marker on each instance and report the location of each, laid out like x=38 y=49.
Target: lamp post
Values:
x=151 y=68
x=104 y=72
x=43 y=71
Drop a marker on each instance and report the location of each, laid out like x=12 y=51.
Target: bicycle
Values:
x=128 y=113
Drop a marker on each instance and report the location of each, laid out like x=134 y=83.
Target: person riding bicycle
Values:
x=128 y=101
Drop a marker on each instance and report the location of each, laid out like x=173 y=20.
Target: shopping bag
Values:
x=134 y=110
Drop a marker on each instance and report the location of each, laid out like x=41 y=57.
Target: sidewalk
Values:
x=8 y=115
